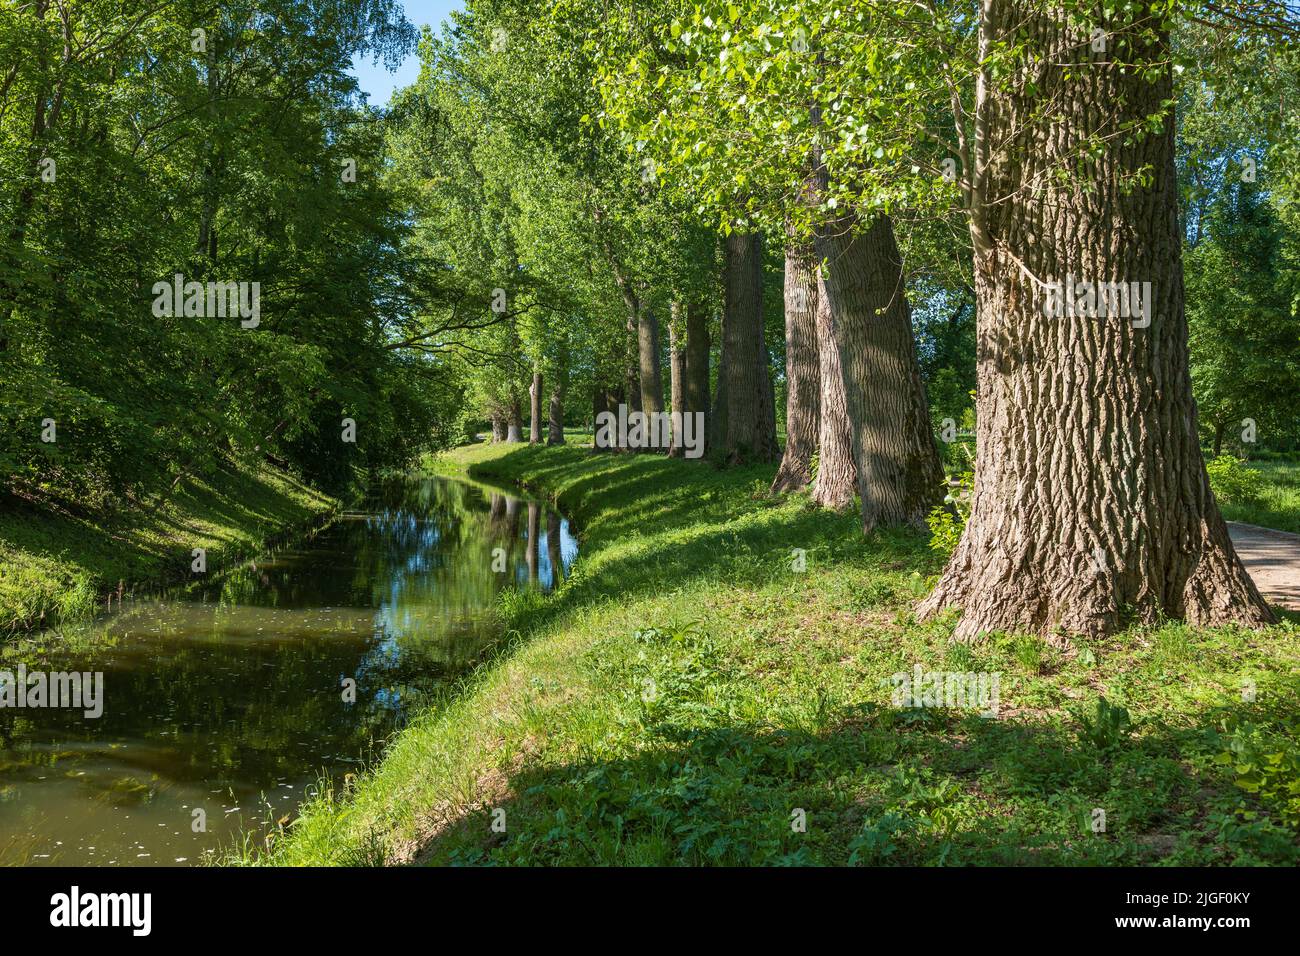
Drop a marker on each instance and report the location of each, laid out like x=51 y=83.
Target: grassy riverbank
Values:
x=57 y=563
x=689 y=696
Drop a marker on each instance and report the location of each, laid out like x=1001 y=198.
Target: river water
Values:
x=224 y=704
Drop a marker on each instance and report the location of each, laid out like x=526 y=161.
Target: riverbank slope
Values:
x=59 y=562
x=714 y=684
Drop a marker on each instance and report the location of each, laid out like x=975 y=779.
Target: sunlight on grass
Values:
x=687 y=692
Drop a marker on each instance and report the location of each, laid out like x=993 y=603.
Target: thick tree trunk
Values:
x=514 y=419
x=677 y=369
x=899 y=473
x=498 y=428
x=802 y=370
x=535 y=407
x=652 y=385
x=1091 y=505
x=837 y=476
x=744 y=413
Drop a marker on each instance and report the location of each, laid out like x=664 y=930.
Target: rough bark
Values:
x=498 y=428
x=899 y=472
x=677 y=368
x=744 y=412
x=802 y=370
x=837 y=476
x=514 y=418
x=652 y=385
x=535 y=407
x=1091 y=505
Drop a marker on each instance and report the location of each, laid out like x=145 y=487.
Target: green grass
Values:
x=1278 y=505
x=687 y=697
x=59 y=563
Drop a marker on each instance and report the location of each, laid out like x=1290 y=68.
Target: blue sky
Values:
x=375 y=79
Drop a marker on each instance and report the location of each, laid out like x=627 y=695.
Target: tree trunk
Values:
x=498 y=428
x=899 y=473
x=632 y=377
x=555 y=420
x=677 y=370
x=837 y=476
x=1219 y=428
x=652 y=385
x=535 y=406
x=802 y=372
x=1091 y=505
x=744 y=416
x=514 y=418
x=697 y=358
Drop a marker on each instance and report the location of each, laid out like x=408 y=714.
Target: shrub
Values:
x=947 y=520
x=1232 y=480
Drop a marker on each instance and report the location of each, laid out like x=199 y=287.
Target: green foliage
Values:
x=1107 y=727
x=947 y=521
x=225 y=165
x=1266 y=764
x=945 y=529
x=1278 y=504
x=1233 y=481
x=1028 y=650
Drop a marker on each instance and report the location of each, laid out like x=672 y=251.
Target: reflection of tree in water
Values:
x=239 y=684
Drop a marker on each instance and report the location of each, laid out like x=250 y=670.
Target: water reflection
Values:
x=229 y=698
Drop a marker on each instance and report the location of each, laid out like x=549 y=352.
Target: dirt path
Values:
x=1273 y=560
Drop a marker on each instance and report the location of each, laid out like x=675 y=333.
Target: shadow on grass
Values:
x=232 y=510
x=880 y=787
x=877 y=785
x=650 y=532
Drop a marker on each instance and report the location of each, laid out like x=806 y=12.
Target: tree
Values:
x=744 y=416
x=1091 y=504
x=803 y=369
x=726 y=97
x=1244 y=330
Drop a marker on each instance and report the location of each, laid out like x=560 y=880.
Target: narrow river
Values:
x=224 y=704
